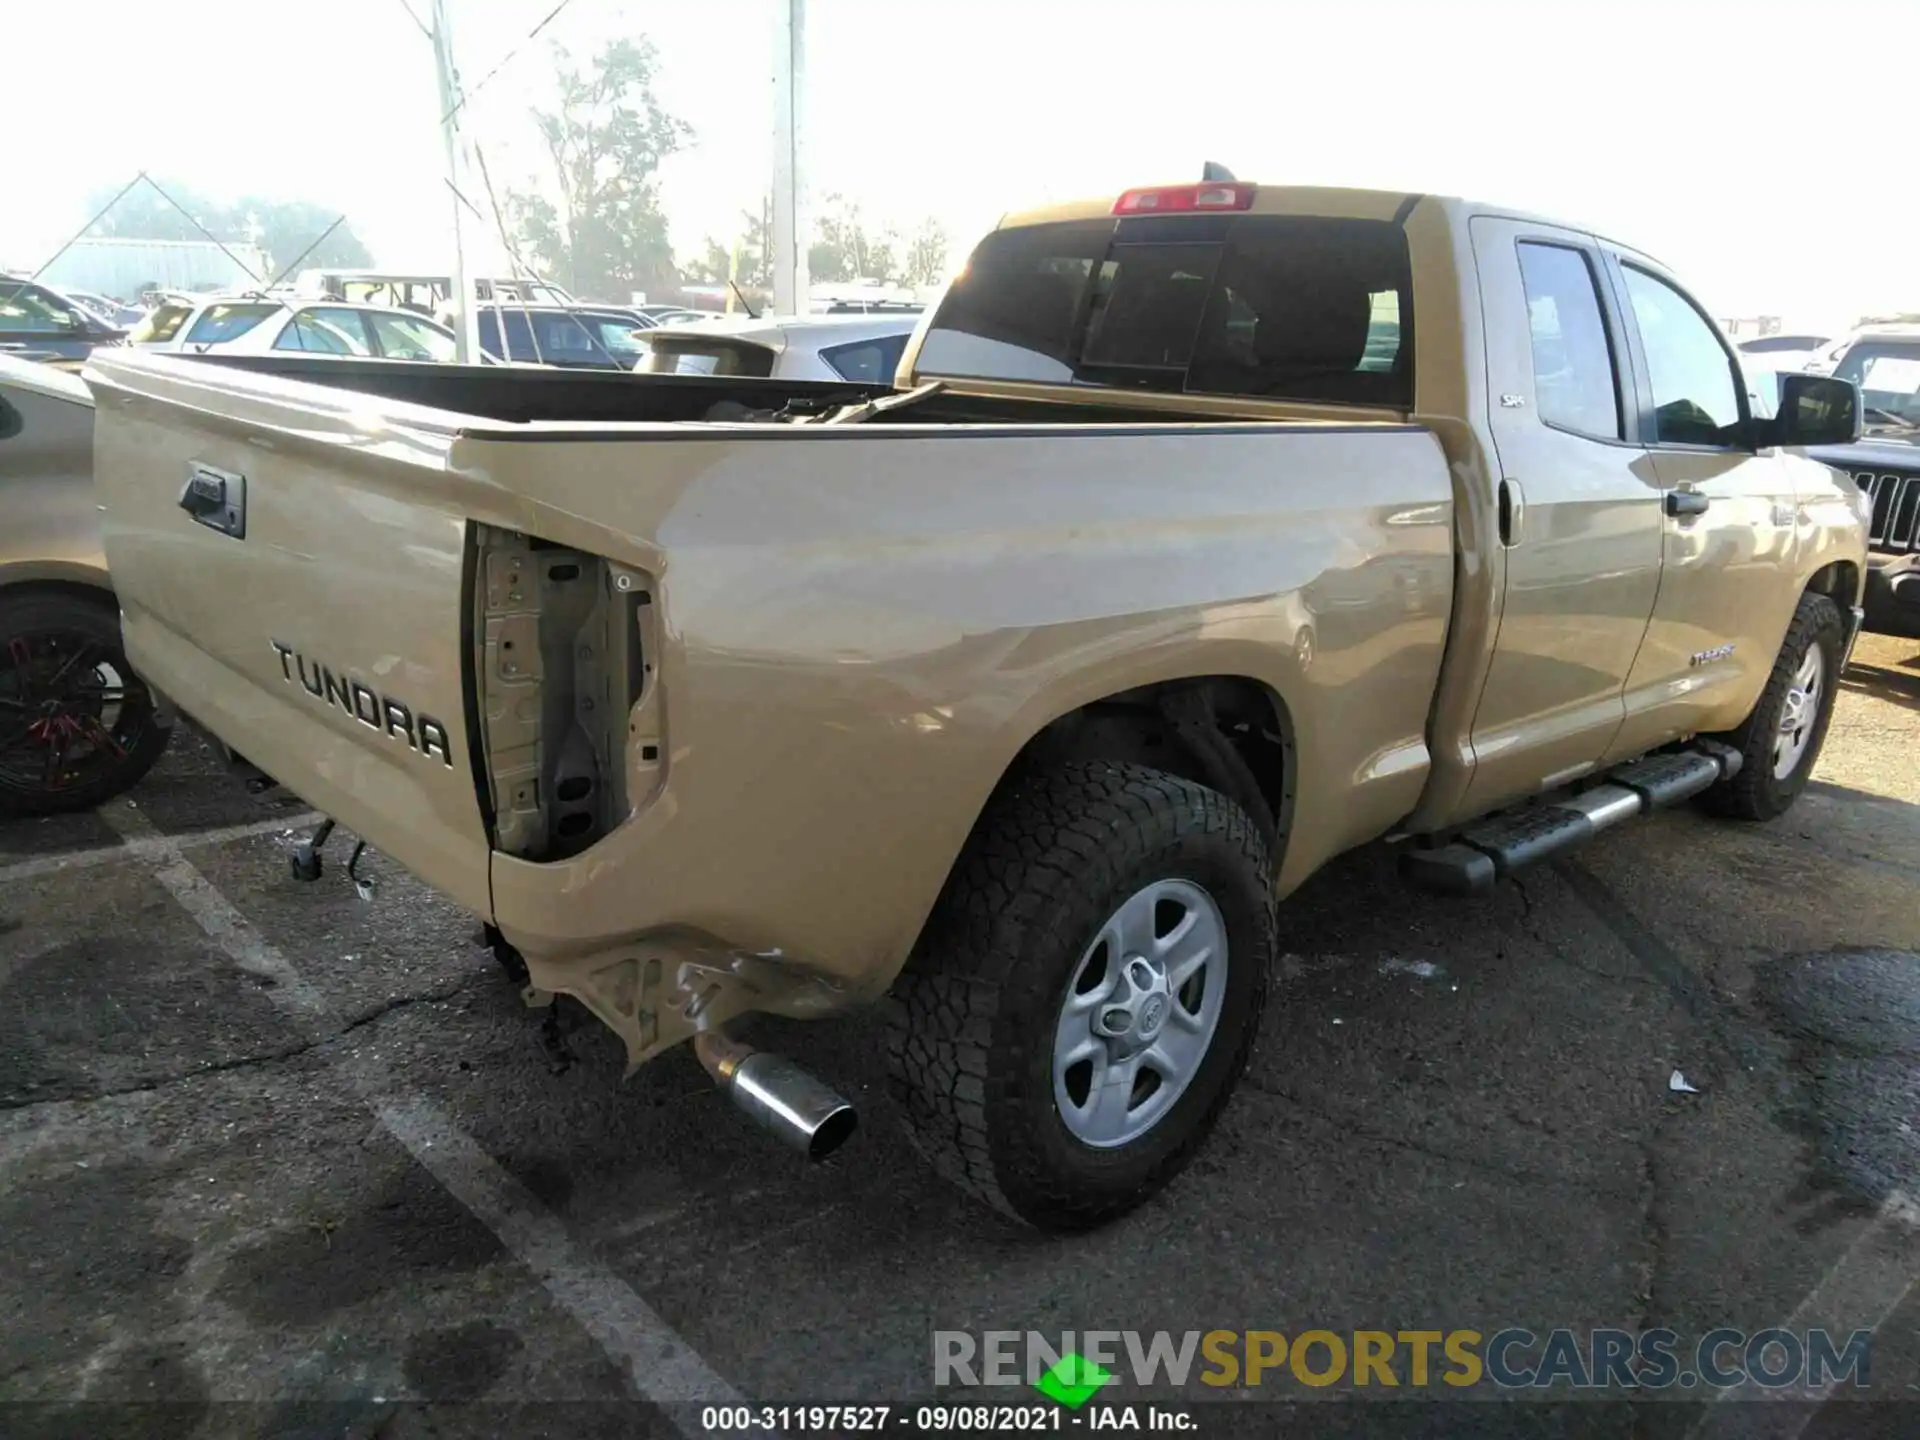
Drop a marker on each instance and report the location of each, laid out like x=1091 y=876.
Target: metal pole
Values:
x=790 y=279
x=466 y=321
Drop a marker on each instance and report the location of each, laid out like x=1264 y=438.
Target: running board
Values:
x=1493 y=848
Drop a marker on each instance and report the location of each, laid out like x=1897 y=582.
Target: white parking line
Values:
x=1864 y=1287
x=148 y=843
x=661 y=1366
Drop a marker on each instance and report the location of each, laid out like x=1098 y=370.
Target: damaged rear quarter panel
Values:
x=859 y=630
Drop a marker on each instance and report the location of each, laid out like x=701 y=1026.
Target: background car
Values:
x=1884 y=361
x=77 y=726
x=37 y=322
x=255 y=323
x=574 y=337
x=863 y=348
x=1778 y=353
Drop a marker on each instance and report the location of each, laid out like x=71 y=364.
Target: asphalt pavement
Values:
x=277 y=1160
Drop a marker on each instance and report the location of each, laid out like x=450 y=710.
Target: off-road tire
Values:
x=971 y=1019
x=31 y=612
x=1755 y=793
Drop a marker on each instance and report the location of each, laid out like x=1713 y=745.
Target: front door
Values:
x=1729 y=523
x=1580 y=506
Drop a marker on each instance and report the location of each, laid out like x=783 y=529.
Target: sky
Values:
x=1759 y=149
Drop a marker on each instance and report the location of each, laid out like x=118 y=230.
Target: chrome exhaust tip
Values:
x=776 y=1094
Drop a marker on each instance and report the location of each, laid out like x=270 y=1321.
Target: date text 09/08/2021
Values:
x=938 y=1419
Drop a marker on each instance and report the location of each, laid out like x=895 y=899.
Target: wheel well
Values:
x=1840 y=580
x=78 y=589
x=1228 y=732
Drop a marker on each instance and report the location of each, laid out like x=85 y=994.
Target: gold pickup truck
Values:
x=1206 y=533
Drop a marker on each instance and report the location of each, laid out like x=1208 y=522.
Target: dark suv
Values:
x=41 y=324
x=1886 y=465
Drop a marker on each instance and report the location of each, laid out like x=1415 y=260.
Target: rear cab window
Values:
x=1277 y=307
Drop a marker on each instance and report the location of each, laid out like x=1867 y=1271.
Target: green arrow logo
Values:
x=1073 y=1381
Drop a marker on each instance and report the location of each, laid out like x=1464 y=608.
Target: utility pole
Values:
x=466 y=322
x=790 y=280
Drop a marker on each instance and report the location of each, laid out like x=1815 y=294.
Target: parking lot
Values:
x=278 y=1160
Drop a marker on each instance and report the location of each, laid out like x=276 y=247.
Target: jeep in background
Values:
x=77 y=727
x=1206 y=533
x=1885 y=464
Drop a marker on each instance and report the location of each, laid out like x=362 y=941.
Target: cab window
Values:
x=1282 y=307
x=1696 y=396
x=1574 y=380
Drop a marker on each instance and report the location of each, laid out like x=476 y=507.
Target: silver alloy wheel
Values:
x=1139 y=1014
x=1799 y=713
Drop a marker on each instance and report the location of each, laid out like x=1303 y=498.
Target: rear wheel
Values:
x=1779 y=743
x=1087 y=991
x=77 y=726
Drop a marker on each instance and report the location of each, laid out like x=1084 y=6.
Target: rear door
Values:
x=1580 y=511
x=291 y=571
x=1729 y=525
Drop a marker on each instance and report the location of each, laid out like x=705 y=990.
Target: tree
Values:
x=842 y=248
x=713 y=268
x=605 y=138
x=283 y=228
x=926 y=262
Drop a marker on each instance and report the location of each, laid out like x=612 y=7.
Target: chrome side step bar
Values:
x=1492 y=848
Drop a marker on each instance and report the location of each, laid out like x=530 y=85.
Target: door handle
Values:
x=216 y=499
x=1513 y=511
x=1687 y=502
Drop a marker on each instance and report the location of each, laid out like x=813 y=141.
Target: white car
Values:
x=862 y=348
x=252 y=324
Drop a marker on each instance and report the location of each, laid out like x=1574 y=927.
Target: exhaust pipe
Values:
x=777 y=1095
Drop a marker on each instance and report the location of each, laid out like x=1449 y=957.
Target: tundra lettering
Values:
x=381 y=713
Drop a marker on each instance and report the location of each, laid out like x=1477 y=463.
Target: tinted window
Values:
x=407 y=337
x=1280 y=307
x=1012 y=313
x=220 y=323
x=1573 y=376
x=1696 y=400
x=616 y=334
x=325 y=331
x=869 y=362
x=1308 y=308
x=1147 y=307
x=28 y=309
x=567 y=337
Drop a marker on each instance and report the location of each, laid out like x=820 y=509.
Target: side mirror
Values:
x=1815 y=410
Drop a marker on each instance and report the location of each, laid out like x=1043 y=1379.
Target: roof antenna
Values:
x=1214 y=173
